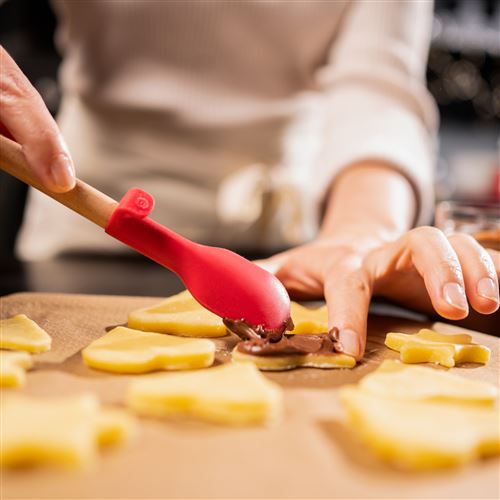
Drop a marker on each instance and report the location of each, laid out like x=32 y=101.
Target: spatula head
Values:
x=235 y=288
x=222 y=281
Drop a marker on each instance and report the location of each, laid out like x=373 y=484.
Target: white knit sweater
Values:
x=236 y=115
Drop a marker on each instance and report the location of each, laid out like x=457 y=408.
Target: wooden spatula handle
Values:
x=83 y=199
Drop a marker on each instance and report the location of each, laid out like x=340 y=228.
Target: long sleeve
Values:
x=377 y=106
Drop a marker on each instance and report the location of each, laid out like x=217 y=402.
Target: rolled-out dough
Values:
x=124 y=350
x=178 y=315
x=182 y=315
x=397 y=380
x=23 y=334
x=422 y=435
x=423 y=418
x=234 y=393
x=428 y=346
x=62 y=431
x=277 y=363
x=13 y=366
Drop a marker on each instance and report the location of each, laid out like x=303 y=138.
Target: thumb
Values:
x=348 y=292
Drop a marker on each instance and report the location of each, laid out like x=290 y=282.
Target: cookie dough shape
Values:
x=182 y=315
x=287 y=362
x=179 y=315
x=428 y=346
x=399 y=381
x=64 y=431
x=23 y=334
x=123 y=350
x=422 y=435
x=307 y=320
x=233 y=394
x=13 y=366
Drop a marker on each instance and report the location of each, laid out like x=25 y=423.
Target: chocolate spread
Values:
x=248 y=332
x=260 y=342
x=489 y=239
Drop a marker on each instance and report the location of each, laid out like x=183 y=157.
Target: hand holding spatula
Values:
x=222 y=281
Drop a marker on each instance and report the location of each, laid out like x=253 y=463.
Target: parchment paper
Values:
x=310 y=454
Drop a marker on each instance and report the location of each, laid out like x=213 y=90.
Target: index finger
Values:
x=25 y=116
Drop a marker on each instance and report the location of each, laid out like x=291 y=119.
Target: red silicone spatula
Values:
x=222 y=281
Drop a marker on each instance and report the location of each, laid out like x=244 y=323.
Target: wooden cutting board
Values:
x=310 y=454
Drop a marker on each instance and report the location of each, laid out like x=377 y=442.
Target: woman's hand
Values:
x=422 y=270
x=24 y=118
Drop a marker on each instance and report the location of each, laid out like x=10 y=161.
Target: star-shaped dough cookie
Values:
x=62 y=431
x=292 y=351
x=23 y=334
x=182 y=315
x=428 y=346
x=124 y=350
x=288 y=362
x=13 y=366
x=235 y=393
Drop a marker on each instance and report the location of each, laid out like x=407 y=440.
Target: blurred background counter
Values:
x=463 y=76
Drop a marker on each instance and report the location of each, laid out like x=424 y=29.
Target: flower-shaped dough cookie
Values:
x=124 y=350
x=179 y=315
x=23 y=334
x=420 y=417
x=292 y=351
x=428 y=346
x=393 y=379
x=182 y=315
x=236 y=393
x=13 y=366
x=62 y=431
x=422 y=435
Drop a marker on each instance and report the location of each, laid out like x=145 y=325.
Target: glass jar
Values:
x=481 y=220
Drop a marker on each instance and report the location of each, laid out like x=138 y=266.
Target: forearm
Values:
x=369 y=202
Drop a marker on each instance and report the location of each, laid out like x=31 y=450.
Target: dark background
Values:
x=463 y=75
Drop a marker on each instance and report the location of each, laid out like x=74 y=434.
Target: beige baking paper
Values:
x=308 y=455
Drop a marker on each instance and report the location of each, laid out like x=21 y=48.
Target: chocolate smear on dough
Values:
x=260 y=342
x=248 y=332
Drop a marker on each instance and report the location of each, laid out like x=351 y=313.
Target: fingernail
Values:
x=62 y=173
x=487 y=288
x=350 y=343
x=454 y=294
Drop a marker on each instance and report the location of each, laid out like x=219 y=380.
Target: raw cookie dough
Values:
x=23 y=334
x=307 y=320
x=428 y=346
x=278 y=363
x=63 y=431
x=393 y=379
x=281 y=350
x=422 y=435
x=235 y=393
x=291 y=351
x=123 y=350
x=423 y=418
x=182 y=315
x=13 y=366
x=178 y=315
